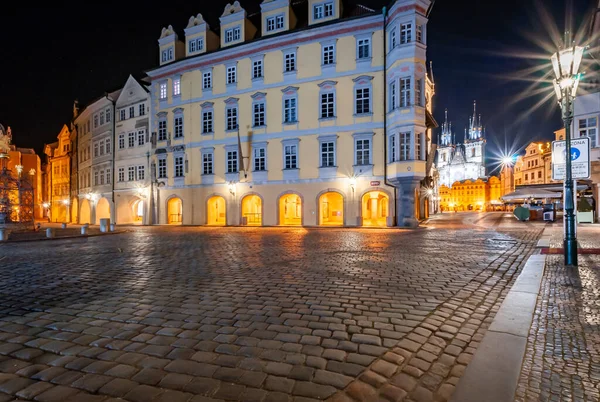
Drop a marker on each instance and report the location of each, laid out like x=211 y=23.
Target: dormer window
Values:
x=323 y=10
x=233 y=34
x=196 y=45
x=167 y=55
x=275 y=23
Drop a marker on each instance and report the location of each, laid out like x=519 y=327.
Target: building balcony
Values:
x=399 y=170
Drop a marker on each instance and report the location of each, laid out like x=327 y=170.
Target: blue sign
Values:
x=575 y=154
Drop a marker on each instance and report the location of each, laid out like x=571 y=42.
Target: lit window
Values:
x=176 y=87
x=163 y=90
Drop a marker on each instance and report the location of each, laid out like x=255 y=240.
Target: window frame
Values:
x=208 y=166
x=331 y=154
x=291 y=160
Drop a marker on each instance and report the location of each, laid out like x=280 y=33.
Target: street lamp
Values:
x=566 y=65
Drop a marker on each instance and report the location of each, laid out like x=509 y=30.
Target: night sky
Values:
x=53 y=55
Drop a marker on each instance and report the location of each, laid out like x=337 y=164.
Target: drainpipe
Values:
x=114 y=149
x=385 y=102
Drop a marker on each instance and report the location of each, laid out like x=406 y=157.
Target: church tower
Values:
x=445 y=146
x=475 y=145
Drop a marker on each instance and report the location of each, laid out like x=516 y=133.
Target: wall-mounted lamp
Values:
x=31 y=172
x=352 y=182
x=232 y=188
x=66 y=202
x=46 y=205
x=19 y=169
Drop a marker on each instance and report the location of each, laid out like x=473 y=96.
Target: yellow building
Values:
x=535 y=167
x=472 y=195
x=59 y=177
x=333 y=116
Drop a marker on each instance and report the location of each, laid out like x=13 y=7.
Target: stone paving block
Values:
x=91 y=382
x=15 y=385
x=56 y=394
x=279 y=384
x=33 y=390
x=143 y=393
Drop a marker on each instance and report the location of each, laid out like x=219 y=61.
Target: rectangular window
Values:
x=418 y=97
x=121 y=174
x=232 y=161
x=207 y=122
x=290 y=62
x=207 y=163
x=363 y=100
x=179 y=166
x=142 y=109
x=405 y=33
x=232 y=118
x=131 y=140
x=393 y=149
x=257 y=69
x=328 y=55
x=96 y=181
x=404 y=146
x=291 y=156
x=405 y=92
x=122 y=114
x=327 y=154
x=96 y=121
x=107 y=146
x=108 y=115
x=163 y=90
x=101 y=148
x=318 y=12
x=207 y=80
x=364 y=49
x=192 y=46
x=419 y=147
x=327 y=105
x=199 y=44
x=393 y=38
x=162 y=130
x=102 y=177
x=178 y=126
x=420 y=33
x=131 y=112
x=141 y=172
x=162 y=168
x=101 y=118
x=108 y=176
x=233 y=34
x=275 y=23
x=231 y=75
x=141 y=134
x=539 y=174
x=589 y=128
x=259 y=114
x=393 y=96
x=290 y=110
x=329 y=9
x=260 y=159
x=131 y=173
x=363 y=152
x=176 y=87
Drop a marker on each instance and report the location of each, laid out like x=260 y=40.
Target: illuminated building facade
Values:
x=282 y=120
x=472 y=195
x=58 y=177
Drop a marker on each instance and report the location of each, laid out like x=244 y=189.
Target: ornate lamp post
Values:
x=566 y=65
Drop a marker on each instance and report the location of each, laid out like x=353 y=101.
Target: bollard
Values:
x=84 y=230
x=49 y=233
x=4 y=234
x=63 y=225
x=86 y=225
x=104 y=225
x=112 y=227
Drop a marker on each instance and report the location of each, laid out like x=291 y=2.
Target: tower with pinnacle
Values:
x=475 y=145
x=445 y=142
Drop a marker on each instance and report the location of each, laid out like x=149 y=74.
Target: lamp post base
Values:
x=570 y=247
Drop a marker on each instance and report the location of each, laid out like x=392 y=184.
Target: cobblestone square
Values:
x=265 y=314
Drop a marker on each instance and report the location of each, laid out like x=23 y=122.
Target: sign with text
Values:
x=375 y=183
x=580 y=159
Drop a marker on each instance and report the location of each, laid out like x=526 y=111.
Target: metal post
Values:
x=570 y=237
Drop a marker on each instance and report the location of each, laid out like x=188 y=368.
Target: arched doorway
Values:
x=252 y=210
x=290 y=210
x=174 y=211
x=331 y=209
x=85 y=214
x=216 y=212
x=137 y=211
x=74 y=210
x=102 y=210
x=375 y=209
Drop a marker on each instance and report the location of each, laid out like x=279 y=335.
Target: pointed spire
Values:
x=474 y=110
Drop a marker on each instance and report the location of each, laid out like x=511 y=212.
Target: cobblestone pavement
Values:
x=263 y=314
x=563 y=350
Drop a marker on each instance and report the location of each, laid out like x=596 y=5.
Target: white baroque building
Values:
x=458 y=162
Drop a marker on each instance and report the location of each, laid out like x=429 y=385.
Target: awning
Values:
x=527 y=193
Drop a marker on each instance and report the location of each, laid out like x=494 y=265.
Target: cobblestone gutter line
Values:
x=563 y=350
x=427 y=364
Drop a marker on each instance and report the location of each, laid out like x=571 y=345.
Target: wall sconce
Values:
x=142 y=192
x=19 y=169
x=31 y=172
x=232 y=188
x=352 y=182
x=66 y=202
x=46 y=205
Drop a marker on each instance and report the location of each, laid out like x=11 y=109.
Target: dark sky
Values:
x=55 y=54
